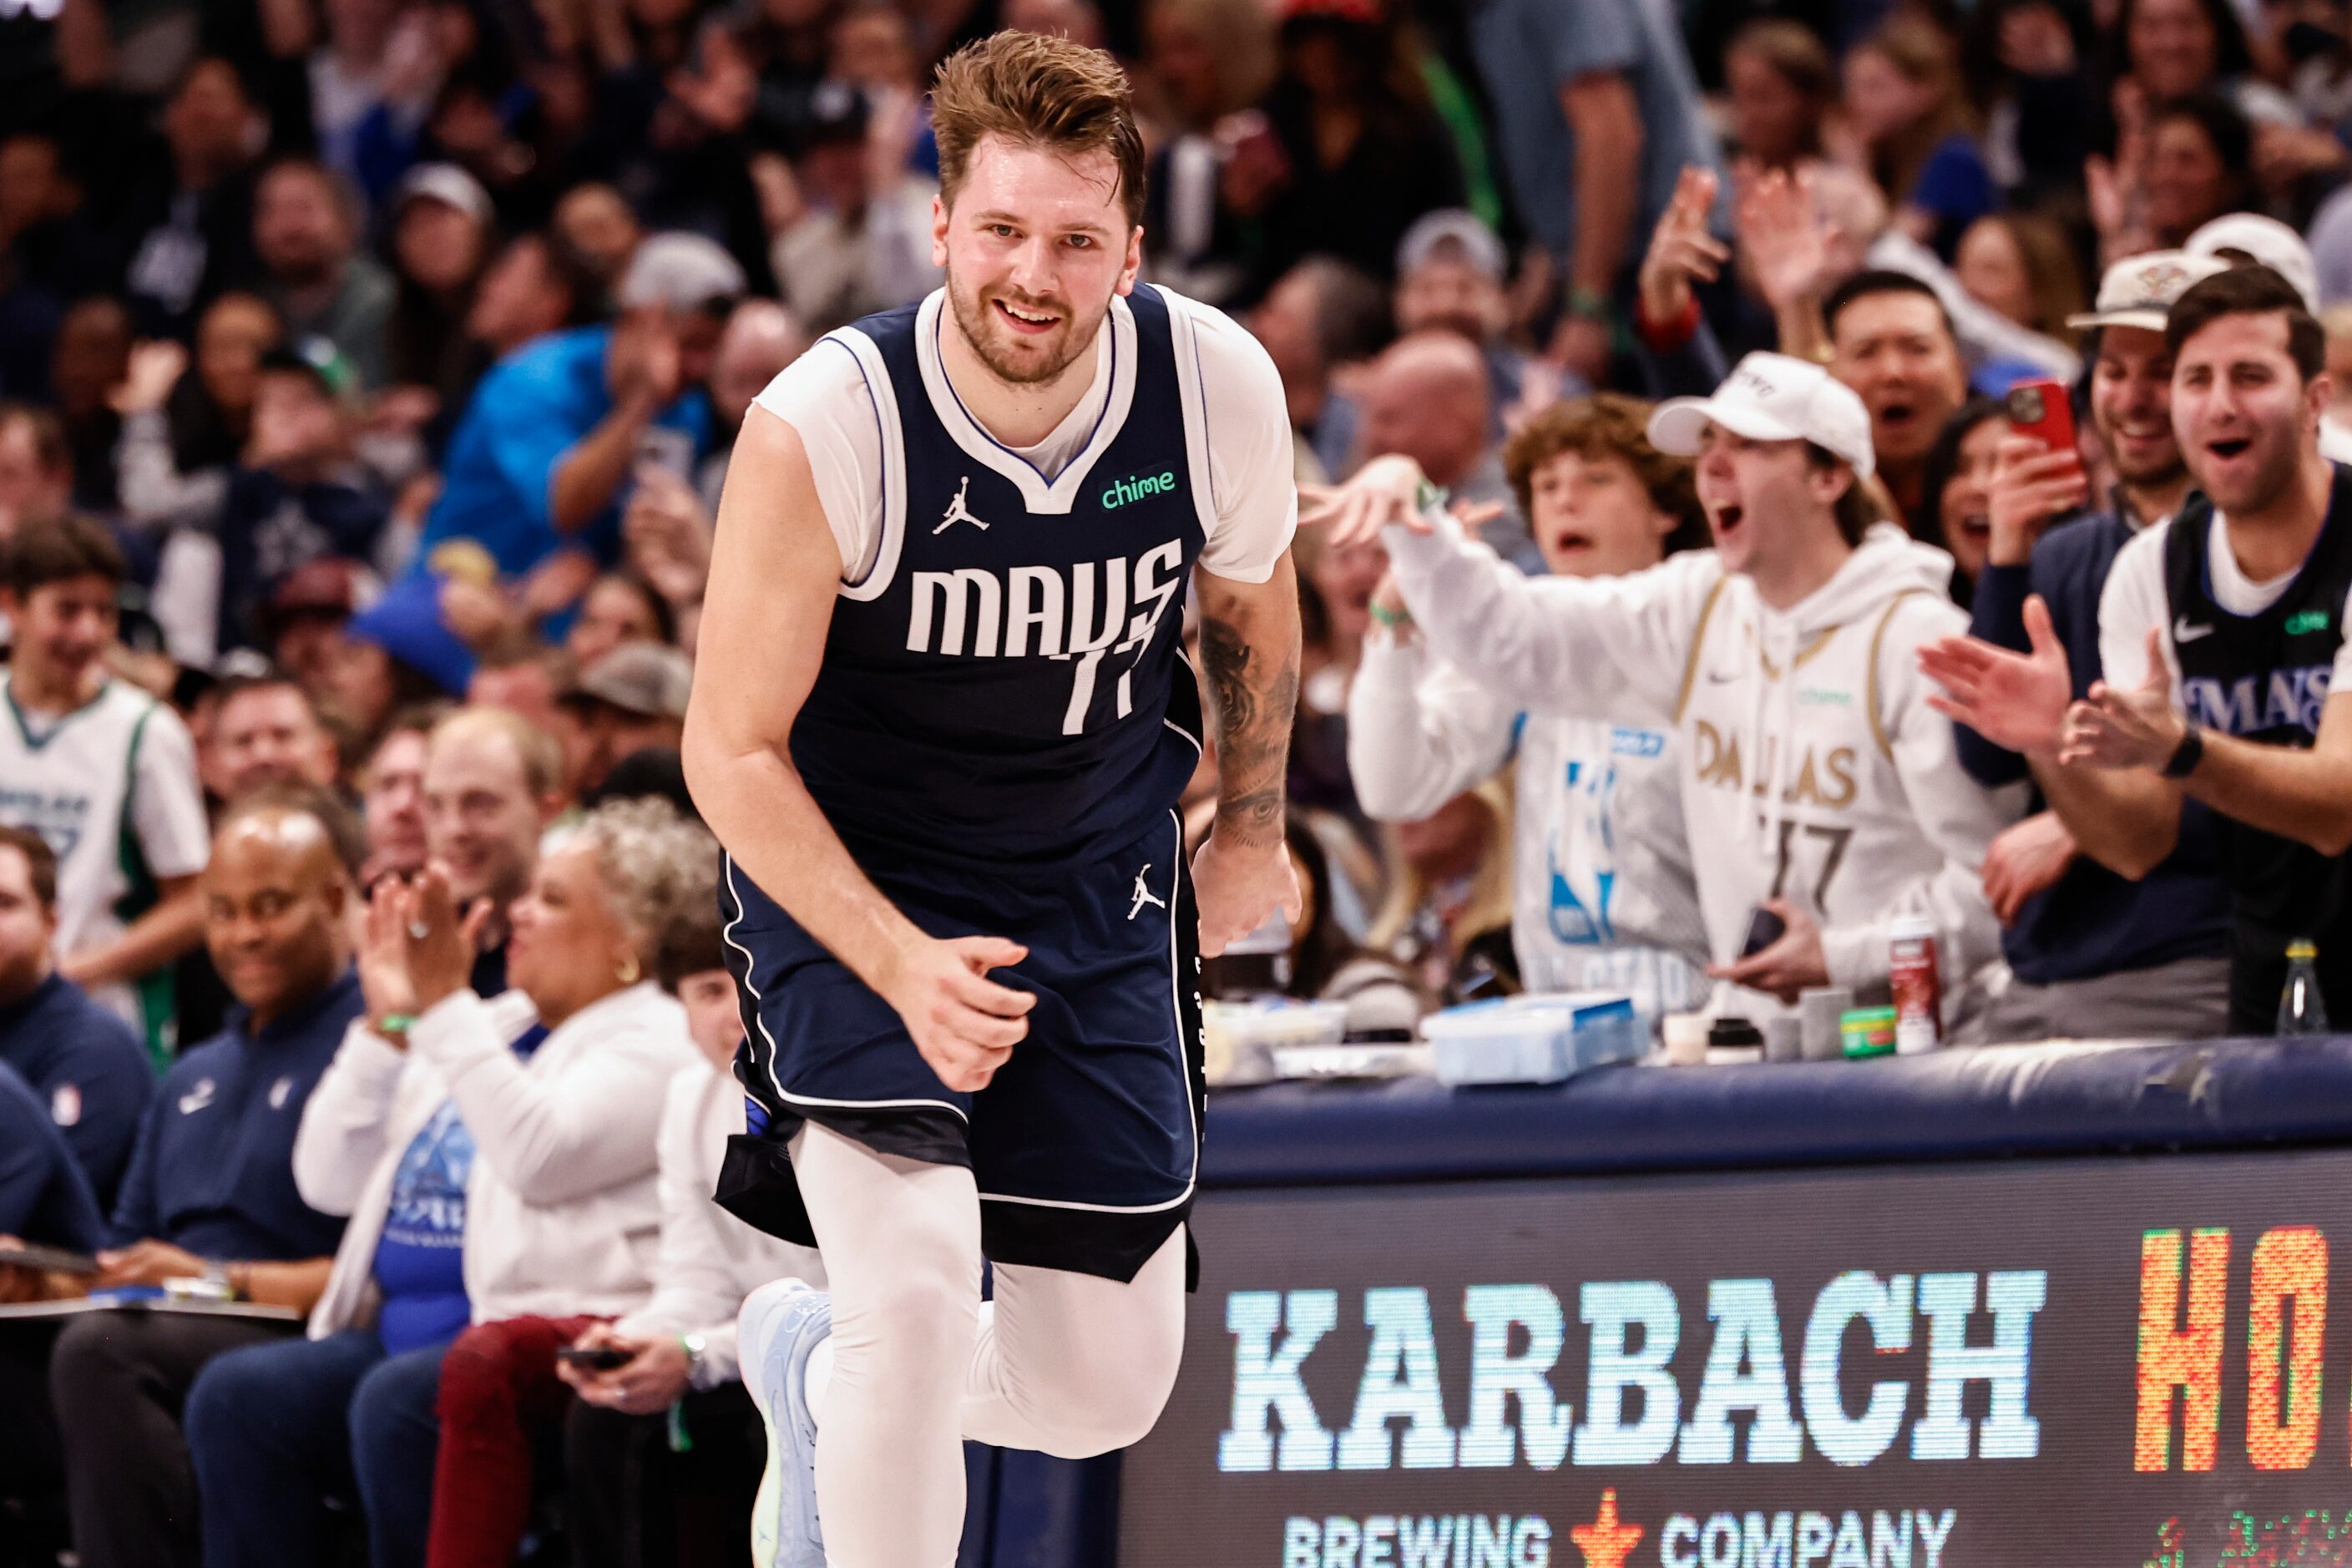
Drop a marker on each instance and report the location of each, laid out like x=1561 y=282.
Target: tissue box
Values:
x=1533 y=1039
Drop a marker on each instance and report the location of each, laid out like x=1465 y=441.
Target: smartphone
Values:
x=1764 y=929
x=604 y=1358
x=2044 y=409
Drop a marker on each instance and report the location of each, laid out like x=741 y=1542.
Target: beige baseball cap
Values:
x=2268 y=241
x=2138 y=291
x=1771 y=397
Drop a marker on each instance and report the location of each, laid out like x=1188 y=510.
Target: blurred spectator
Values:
x=1205 y=61
x=1596 y=114
x=396 y=652
x=2164 y=49
x=443 y=229
x=211 y=1180
x=1893 y=342
x=1780 y=85
x=1448 y=913
x=181 y=432
x=546 y=448
x=618 y=608
x=526 y=678
x=1426 y=396
x=91 y=357
x=35 y=467
x=1958 y=489
x=2027 y=64
x=306 y=234
x=2199 y=153
x=295 y=496
x=1800 y=564
x=857 y=236
x=86 y=1066
x=1451 y=272
x=302 y=628
x=2023 y=267
x=268 y=733
x=187 y=221
x=376 y=63
x=629 y=701
x=762 y=337
x=496 y=1158
x=1323 y=317
x=1603 y=887
x=607 y=911
x=1350 y=151
x=492 y=784
x=594 y=223
x=391 y=797
x=635 y=1495
x=533 y=287
x=1903 y=92
x=2092 y=955
x=85 y=752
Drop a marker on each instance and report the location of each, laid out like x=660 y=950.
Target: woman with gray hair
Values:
x=497 y=1158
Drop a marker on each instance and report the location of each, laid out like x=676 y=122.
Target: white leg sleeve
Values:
x=1073 y=1364
x=901 y=1244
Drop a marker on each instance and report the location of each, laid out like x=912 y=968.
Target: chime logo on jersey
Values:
x=1047 y=612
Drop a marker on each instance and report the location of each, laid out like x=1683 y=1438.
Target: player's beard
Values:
x=1048 y=356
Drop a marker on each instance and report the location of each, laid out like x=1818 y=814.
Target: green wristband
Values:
x=395 y=1023
x=1388 y=618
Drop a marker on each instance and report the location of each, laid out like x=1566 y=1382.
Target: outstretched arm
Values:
x=774 y=568
x=1249 y=652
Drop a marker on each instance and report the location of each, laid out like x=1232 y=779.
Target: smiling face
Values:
x=1965 y=505
x=568 y=947
x=2188 y=181
x=2131 y=406
x=2244 y=417
x=1992 y=266
x=2172 y=46
x=1592 y=518
x=1034 y=244
x=1897 y=354
x=1762 y=496
x=273 y=902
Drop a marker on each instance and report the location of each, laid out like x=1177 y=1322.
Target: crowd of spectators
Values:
x=368 y=371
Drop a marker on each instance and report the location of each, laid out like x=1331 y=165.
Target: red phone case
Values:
x=2043 y=409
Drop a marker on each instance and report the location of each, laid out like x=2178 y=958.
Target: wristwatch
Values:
x=2190 y=752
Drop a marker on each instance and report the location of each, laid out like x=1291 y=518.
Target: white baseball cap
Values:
x=2273 y=244
x=2138 y=291
x=1771 y=397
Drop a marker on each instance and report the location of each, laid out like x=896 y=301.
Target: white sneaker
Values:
x=779 y=1324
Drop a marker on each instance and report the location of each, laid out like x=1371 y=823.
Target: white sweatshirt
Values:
x=561 y=1212
x=710 y=1260
x=1810 y=764
x=1603 y=895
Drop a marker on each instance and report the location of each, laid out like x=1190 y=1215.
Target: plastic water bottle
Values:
x=2301 y=1010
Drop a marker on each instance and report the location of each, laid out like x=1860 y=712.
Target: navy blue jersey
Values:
x=1004 y=683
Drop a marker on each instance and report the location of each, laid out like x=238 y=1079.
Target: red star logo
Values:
x=1606 y=1542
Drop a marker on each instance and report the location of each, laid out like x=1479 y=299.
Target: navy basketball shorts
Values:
x=1085 y=1143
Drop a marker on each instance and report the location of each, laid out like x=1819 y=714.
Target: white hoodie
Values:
x=1602 y=896
x=1811 y=767
x=562 y=1215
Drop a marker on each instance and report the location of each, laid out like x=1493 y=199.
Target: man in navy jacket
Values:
x=86 y=1066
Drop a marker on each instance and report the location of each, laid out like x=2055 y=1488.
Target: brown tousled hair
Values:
x=1608 y=425
x=1038 y=91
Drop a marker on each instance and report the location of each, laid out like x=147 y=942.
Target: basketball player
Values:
x=942 y=727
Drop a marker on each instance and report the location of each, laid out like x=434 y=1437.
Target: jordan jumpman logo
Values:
x=958 y=512
x=1144 y=895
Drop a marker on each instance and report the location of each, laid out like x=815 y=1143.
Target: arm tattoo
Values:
x=1255 y=696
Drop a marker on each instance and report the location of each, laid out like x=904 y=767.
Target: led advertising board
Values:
x=2117 y=1363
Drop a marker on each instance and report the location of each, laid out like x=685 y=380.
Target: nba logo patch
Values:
x=279 y=1092
x=64 y=1105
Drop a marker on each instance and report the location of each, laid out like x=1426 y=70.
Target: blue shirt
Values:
x=534 y=405
x=420 y=1260
x=1528 y=51
x=44 y=1196
x=89 y=1068
x=214 y=1170
x=2091 y=922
